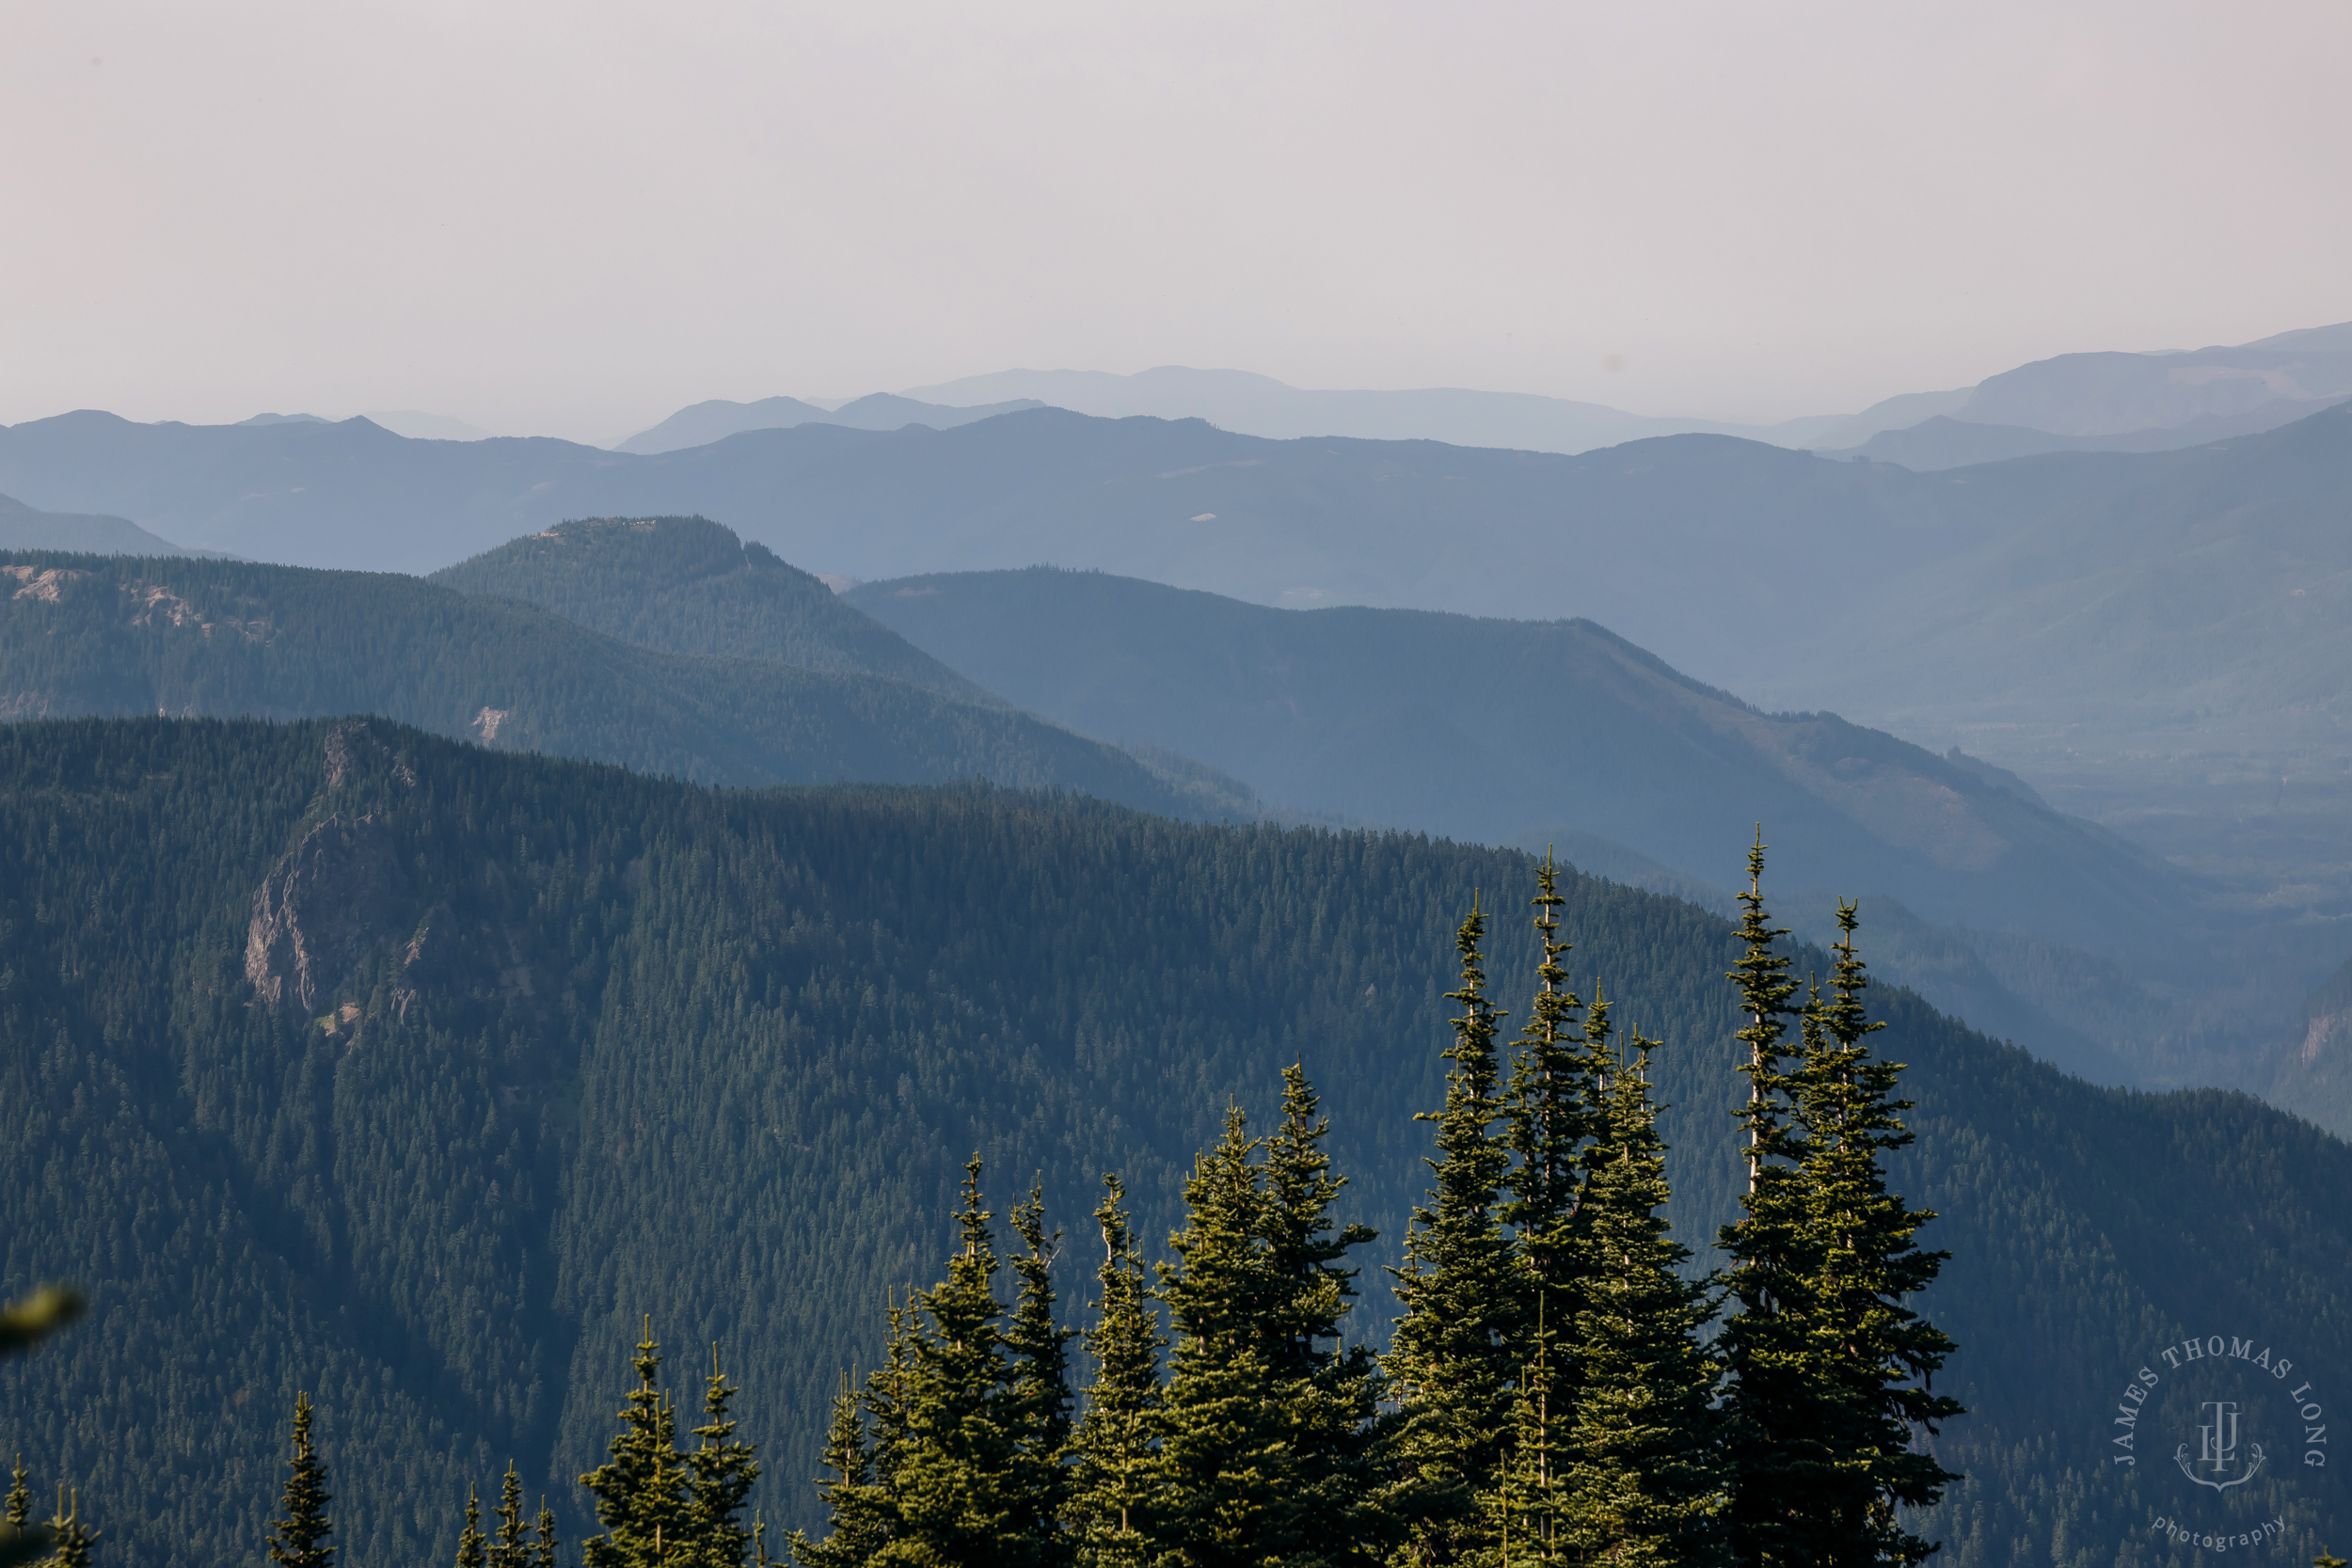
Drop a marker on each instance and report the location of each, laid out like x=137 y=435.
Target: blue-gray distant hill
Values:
x=704 y=422
x=689 y=586
x=23 y=527
x=1503 y=730
x=103 y=636
x=2142 y=634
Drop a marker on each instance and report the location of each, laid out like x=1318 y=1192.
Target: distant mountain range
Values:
x=717 y=419
x=1252 y=405
x=90 y=635
x=413 y=424
x=23 y=527
x=1800 y=582
x=2078 y=402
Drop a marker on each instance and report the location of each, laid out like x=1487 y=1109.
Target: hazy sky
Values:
x=572 y=218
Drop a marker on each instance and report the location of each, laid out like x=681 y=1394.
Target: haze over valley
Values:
x=1175 y=786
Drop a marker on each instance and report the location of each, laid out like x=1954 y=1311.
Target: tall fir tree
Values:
x=1329 y=1391
x=1450 y=1363
x=1037 y=1391
x=956 y=1480
x=1778 y=1411
x=638 y=1491
x=76 y=1542
x=1644 y=1481
x=472 y=1546
x=858 y=1509
x=298 y=1539
x=1550 y=1109
x=545 y=1547
x=721 y=1472
x=1116 y=1445
x=1882 y=1355
x=20 y=1507
x=1229 y=1491
x=510 y=1547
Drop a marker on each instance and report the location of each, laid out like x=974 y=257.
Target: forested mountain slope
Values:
x=100 y=635
x=1501 y=730
x=690 y=586
x=347 y=1058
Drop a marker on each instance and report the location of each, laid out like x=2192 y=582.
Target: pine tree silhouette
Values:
x=298 y=1538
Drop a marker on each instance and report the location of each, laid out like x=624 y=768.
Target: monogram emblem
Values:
x=2218 y=1450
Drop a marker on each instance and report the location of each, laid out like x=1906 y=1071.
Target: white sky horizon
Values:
x=574 y=220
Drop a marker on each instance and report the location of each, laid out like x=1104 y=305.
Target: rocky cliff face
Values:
x=339 y=895
x=319 y=913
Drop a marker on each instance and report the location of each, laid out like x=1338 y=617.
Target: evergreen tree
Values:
x=858 y=1507
x=1451 y=1362
x=298 y=1539
x=510 y=1547
x=20 y=1498
x=1330 y=1395
x=638 y=1491
x=1644 y=1487
x=720 y=1473
x=1778 y=1412
x=545 y=1547
x=1882 y=1355
x=956 y=1480
x=1551 y=1113
x=75 y=1540
x=472 y=1546
x=1229 y=1491
x=1116 y=1444
x=1037 y=1393
x=1525 y=1506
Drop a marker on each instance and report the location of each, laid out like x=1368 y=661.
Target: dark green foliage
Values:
x=474 y=1547
x=510 y=1547
x=1550 y=1117
x=690 y=586
x=1329 y=1392
x=1452 y=1361
x=1230 y=1478
x=858 y=1510
x=1644 y=1482
x=640 y=1491
x=1037 y=1391
x=116 y=636
x=720 y=1473
x=74 y=1541
x=299 y=1538
x=1882 y=1355
x=722 y=1055
x=1115 y=1449
x=1781 y=1416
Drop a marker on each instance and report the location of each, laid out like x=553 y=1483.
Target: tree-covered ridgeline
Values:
x=795 y=697
x=564 y=1045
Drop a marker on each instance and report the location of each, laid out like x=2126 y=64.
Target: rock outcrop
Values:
x=337 y=894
